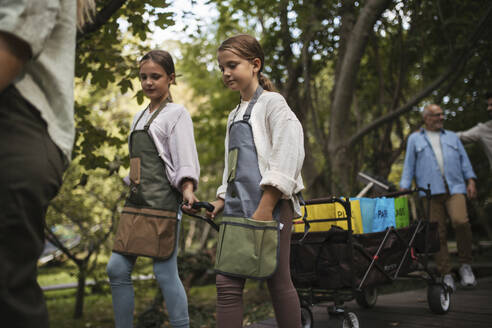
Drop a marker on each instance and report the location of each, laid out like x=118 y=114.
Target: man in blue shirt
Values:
x=436 y=157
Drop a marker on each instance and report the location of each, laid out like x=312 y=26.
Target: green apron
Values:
x=148 y=224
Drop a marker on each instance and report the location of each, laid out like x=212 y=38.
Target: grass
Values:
x=98 y=310
x=55 y=275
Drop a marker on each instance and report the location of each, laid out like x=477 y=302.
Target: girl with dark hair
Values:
x=262 y=175
x=164 y=173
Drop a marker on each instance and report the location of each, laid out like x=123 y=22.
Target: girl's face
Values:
x=155 y=81
x=238 y=74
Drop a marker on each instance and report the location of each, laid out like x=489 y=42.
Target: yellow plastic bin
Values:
x=330 y=211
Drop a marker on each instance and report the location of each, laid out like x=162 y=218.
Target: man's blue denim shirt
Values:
x=421 y=163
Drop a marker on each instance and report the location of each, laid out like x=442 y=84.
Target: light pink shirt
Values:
x=172 y=132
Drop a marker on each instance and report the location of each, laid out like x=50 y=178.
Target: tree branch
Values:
x=52 y=238
x=100 y=19
x=453 y=69
x=76 y=219
x=443 y=26
x=287 y=54
x=114 y=213
x=403 y=109
x=349 y=67
x=400 y=68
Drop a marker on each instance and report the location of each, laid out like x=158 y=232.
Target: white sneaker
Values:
x=467 y=276
x=449 y=281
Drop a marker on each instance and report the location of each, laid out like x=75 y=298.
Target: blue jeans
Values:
x=119 y=270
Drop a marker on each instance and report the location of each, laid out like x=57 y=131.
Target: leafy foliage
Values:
x=214 y=102
x=106 y=70
x=411 y=44
x=106 y=57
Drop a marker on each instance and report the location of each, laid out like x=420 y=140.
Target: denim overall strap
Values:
x=243 y=189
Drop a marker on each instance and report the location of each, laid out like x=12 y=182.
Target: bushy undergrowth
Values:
x=149 y=309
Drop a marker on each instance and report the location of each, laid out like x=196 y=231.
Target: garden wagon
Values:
x=337 y=266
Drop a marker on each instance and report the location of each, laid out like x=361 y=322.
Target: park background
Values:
x=356 y=74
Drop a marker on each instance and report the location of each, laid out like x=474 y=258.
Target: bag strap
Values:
x=304 y=217
x=161 y=107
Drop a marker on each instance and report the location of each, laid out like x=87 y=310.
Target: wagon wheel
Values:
x=345 y=320
x=350 y=320
x=439 y=298
x=306 y=317
x=367 y=298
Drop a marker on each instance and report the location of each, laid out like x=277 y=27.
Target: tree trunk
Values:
x=79 y=298
x=204 y=236
x=191 y=234
x=355 y=43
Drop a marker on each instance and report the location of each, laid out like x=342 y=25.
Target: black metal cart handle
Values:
x=407 y=192
x=209 y=207
x=206 y=205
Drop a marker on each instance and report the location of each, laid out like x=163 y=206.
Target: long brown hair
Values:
x=247 y=47
x=163 y=59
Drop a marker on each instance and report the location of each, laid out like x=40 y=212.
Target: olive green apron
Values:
x=148 y=224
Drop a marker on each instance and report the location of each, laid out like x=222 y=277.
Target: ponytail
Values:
x=265 y=82
x=247 y=47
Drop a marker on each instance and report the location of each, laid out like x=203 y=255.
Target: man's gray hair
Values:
x=426 y=110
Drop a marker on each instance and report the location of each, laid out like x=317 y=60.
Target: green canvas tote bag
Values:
x=247 y=248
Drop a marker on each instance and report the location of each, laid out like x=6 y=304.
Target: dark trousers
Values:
x=31 y=168
x=282 y=292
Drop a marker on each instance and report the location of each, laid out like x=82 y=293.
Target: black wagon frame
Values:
x=337 y=266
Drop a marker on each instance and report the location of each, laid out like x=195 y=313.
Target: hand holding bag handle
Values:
x=206 y=205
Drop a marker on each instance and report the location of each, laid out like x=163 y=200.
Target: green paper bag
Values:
x=402 y=217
